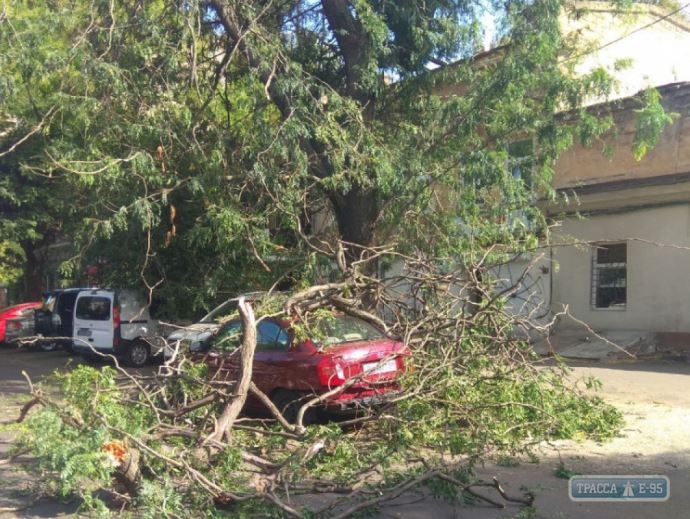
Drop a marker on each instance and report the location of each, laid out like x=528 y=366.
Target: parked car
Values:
x=55 y=319
x=290 y=367
x=192 y=336
x=115 y=322
x=17 y=321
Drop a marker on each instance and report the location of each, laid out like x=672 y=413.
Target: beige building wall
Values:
x=658 y=269
x=646 y=203
x=611 y=159
x=529 y=277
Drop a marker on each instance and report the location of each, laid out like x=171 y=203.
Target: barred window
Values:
x=610 y=276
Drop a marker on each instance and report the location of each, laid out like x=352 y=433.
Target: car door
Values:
x=43 y=316
x=65 y=310
x=270 y=357
x=273 y=357
x=93 y=320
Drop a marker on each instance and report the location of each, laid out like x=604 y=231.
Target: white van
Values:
x=115 y=322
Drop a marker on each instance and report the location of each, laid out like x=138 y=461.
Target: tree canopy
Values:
x=225 y=143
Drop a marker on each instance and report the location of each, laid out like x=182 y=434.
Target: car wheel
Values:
x=289 y=404
x=48 y=345
x=138 y=354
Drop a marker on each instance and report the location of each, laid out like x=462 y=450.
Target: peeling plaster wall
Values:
x=658 y=269
x=594 y=164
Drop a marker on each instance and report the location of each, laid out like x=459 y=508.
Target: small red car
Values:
x=290 y=368
x=16 y=320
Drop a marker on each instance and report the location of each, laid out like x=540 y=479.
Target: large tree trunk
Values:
x=357 y=210
x=33 y=278
x=356 y=213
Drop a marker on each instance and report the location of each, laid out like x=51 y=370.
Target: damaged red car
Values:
x=293 y=363
x=17 y=321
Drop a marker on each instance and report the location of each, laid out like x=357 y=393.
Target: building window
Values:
x=520 y=195
x=521 y=161
x=610 y=276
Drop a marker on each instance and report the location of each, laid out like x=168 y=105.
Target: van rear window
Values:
x=94 y=308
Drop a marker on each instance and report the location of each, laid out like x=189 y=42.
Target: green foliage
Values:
x=155 y=130
x=651 y=121
x=314 y=326
x=74 y=461
x=528 y=512
x=11 y=257
x=564 y=472
x=490 y=401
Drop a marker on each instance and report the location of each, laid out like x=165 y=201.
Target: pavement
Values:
x=609 y=345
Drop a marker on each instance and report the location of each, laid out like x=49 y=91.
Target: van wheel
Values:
x=137 y=354
x=48 y=345
x=289 y=404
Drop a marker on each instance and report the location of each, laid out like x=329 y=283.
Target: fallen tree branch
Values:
x=524 y=500
x=27 y=407
x=272 y=408
x=234 y=407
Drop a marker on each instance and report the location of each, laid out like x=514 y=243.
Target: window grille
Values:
x=610 y=276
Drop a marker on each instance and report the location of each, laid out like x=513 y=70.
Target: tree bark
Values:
x=33 y=278
x=356 y=210
x=356 y=213
x=234 y=406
